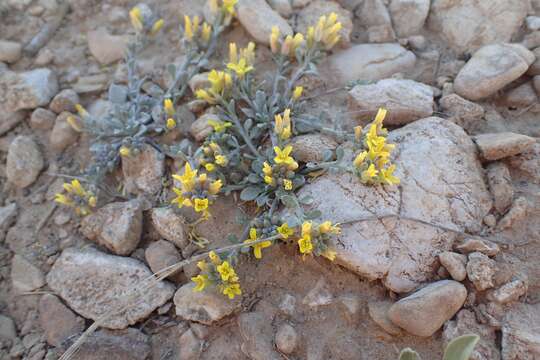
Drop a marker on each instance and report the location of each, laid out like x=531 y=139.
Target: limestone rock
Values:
x=495 y=146
x=408 y=16
x=490 y=69
x=481 y=270
x=170 y=225
x=520 y=336
x=10 y=51
x=116 y=226
x=24 y=161
x=500 y=184
x=106 y=48
x=257 y=17
x=474 y=244
x=405 y=100
x=378 y=311
x=62 y=134
x=426 y=310
x=25 y=276
x=144 y=172
x=402 y=253
x=309 y=16
x=57 y=321
x=128 y=344
x=93 y=283
x=27 y=90
x=455 y=264
x=311 y=147
x=510 y=292
x=205 y=307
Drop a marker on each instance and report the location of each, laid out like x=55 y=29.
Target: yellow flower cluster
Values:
x=373 y=165
x=285 y=46
x=213 y=156
x=195 y=191
x=76 y=197
x=219 y=126
x=282 y=171
x=326 y=32
x=224 y=6
x=257 y=248
x=220 y=84
x=140 y=24
x=219 y=273
x=314 y=239
x=282 y=126
x=170 y=113
x=241 y=62
x=195 y=31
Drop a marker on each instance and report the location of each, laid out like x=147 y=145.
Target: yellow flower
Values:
x=169 y=107
x=310 y=38
x=157 y=26
x=216 y=260
x=269 y=180
x=267 y=169
x=226 y=271
x=204 y=95
x=124 y=151
x=200 y=205
x=241 y=68
x=388 y=177
x=233 y=53
x=201 y=281
x=381 y=114
x=257 y=248
x=73 y=123
x=81 y=110
x=326 y=31
x=283 y=125
x=274 y=39
x=228 y=6
x=232 y=290
x=210 y=167
x=358 y=133
x=369 y=173
x=305 y=245
x=359 y=159
x=188 y=28
x=76 y=197
x=206 y=32
x=215 y=187
x=290 y=44
x=327 y=228
x=63 y=199
x=282 y=157
x=306 y=229
x=221 y=160
x=248 y=53
x=171 y=123
x=297 y=92
x=202 y=265
x=285 y=231
x=136 y=18
x=92 y=201
x=329 y=254
x=287 y=184
x=188 y=176
x=219 y=126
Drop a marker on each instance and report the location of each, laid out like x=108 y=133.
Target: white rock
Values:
x=402 y=253
x=309 y=16
x=495 y=146
x=106 y=48
x=10 y=51
x=24 y=161
x=469 y=24
x=485 y=247
x=408 y=16
x=25 y=276
x=533 y=23
x=93 y=283
x=426 y=310
x=258 y=18
x=480 y=270
x=405 y=100
x=455 y=264
x=369 y=62
x=27 y=90
x=491 y=68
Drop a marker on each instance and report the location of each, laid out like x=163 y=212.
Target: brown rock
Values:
x=170 y=225
x=161 y=254
x=42 y=119
x=483 y=246
x=311 y=147
x=500 y=185
x=455 y=264
x=378 y=311
x=143 y=173
x=128 y=344
x=62 y=134
x=495 y=146
x=65 y=100
x=480 y=270
x=517 y=212
x=58 y=321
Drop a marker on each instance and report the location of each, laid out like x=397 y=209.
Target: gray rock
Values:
x=408 y=16
x=65 y=100
x=467 y=25
x=42 y=119
x=8 y=214
x=10 y=120
x=522 y=96
x=533 y=23
x=455 y=264
x=190 y=346
x=283 y=7
x=24 y=275
x=510 y=292
x=106 y=48
x=199 y=81
x=161 y=254
x=93 y=283
x=375 y=21
x=205 y=307
x=311 y=147
x=27 y=90
x=143 y=173
x=490 y=69
x=378 y=312
x=10 y=51
x=24 y=161
x=520 y=336
x=426 y=310
x=170 y=226
x=309 y=16
x=91 y=84
x=128 y=344
x=480 y=270
x=257 y=332
x=62 y=135
x=405 y=100
x=116 y=226
x=534 y=69
x=495 y=146
x=258 y=18
x=286 y=339
x=7 y=328
x=516 y=214
x=483 y=246
x=369 y=62
x=500 y=184
x=57 y=321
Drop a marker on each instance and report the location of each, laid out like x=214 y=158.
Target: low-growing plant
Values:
x=459 y=348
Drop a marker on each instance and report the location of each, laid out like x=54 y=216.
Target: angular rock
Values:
x=500 y=184
x=62 y=135
x=10 y=120
x=106 y=48
x=128 y=344
x=200 y=129
x=461 y=111
x=534 y=69
x=24 y=161
x=161 y=254
x=480 y=270
x=319 y=295
x=408 y=16
x=405 y=100
x=510 y=292
x=10 y=51
x=170 y=225
x=311 y=147
x=426 y=310
x=527 y=164
x=492 y=68
x=116 y=226
x=369 y=62
x=483 y=246
x=27 y=90
x=144 y=172
x=520 y=336
x=93 y=283
x=286 y=339
x=455 y=264
x=65 y=100
x=258 y=18
x=205 y=307
x=378 y=311
x=517 y=213
x=309 y=16
x=25 y=276
x=375 y=21
x=190 y=346
x=404 y=253
x=257 y=332
x=467 y=25
x=42 y=119
x=57 y=321
x=495 y=146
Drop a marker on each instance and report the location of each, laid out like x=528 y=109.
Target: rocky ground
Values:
x=460 y=79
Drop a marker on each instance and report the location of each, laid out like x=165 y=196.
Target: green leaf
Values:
x=340 y=153
x=409 y=354
x=313 y=214
x=250 y=193
x=290 y=201
x=306 y=200
x=461 y=347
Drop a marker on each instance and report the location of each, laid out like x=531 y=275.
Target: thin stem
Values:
x=234 y=118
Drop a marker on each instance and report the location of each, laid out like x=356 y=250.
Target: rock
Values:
x=93 y=283
x=495 y=146
x=57 y=321
x=527 y=163
x=378 y=311
x=510 y=292
x=258 y=18
x=490 y=69
x=200 y=129
x=170 y=226
x=466 y=323
x=10 y=120
x=309 y=16
x=500 y=184
x=481 y=270
x=144 y=172
x=91 y=84
x=369 y=62
x=426 y=68
x=128 y=344
x=288 y=304
x=467 y=25
x=42 y=119
x=8 y=214
x=311 y=147
x=205 y=307
x=461 y=111
x=62 y=135
x=44 y=57
x=319 y=295
x=286 y=339
x=426 y=310
x=199 y=81
x=517 y=212
x=257 y=333
x=24 y=161
x=7 y=328
x=405 y=100
x=300 y=3
x=10 y=51
x=161 y=254
x=283 y=7
x=533 y=23
x=116 y=226
x=375 y=21
x=25 y=276
x=27 y=90
x=534 y=69
x=521 y=96
x=455 y=264
x=485 y=247
x=106 y=48
x=65 y=100
x=520 y=336
x=408 y=16
x=402 y=253
x=417 y=42
x=190 y=346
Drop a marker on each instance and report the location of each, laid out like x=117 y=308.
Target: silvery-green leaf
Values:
x=250 y=193
x=340 y=153
x=461 y=347
x=313 y=214
x=117 y=94
x=306 y=200
x=248 y=124
x=289 y=201
x=409 y=354
x=171 y=69
x=253 y=178
x=327 y=155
